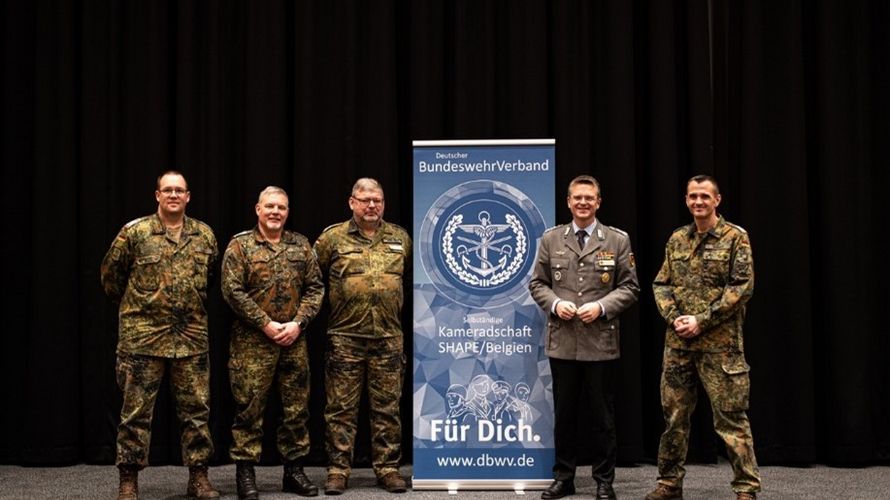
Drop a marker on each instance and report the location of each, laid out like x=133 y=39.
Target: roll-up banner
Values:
x=483 y=404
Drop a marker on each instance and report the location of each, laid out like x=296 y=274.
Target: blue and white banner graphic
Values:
x=483 y=405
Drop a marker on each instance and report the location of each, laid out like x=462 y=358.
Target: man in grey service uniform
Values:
x=584 y=278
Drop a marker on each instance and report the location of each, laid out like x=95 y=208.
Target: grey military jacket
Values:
x=604 y=271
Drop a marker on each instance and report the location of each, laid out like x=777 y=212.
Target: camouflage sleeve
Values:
x=214 y=258
x=663 y=290
x=114 y=270
x=235 y=271
x=322 y=250
x=409 y=248
x=541 y=283
x=313 y=289
x=738 y=289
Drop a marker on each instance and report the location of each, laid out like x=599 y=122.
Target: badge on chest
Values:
x=605 y=262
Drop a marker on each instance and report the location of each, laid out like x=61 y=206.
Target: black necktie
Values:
x=582 y=238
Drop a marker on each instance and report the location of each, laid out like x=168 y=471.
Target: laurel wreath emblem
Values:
x=497 y=278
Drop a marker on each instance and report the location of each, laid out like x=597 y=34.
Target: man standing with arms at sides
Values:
x=584 y=277
x=157 y=268
x=271 y=279
x=364 y=259
x=701 y=290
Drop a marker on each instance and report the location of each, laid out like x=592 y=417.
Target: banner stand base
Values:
x=455 y=486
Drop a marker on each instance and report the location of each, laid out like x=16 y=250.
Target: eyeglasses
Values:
x=588 y=199
x=368 y=201
x=170 y=191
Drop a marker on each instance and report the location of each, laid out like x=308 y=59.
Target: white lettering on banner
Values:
x=474 y=319
x=451 y=432
x=459 y=347
x=452 y=167
x=486 y=332
x=486 y=431
x=456 y=154
x=486 y=347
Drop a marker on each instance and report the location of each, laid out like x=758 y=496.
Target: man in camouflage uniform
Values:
x=157 y=269
x=364 y=259
x=701 y=290
x=271 y=279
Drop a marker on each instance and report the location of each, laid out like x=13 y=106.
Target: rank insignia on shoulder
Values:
x=631 y=260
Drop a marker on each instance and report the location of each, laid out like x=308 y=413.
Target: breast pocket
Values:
x=393 y=262
x=201 y=258
x=680 y=266
x=350 y=261
x=297 y=264
x=260 y=271
x=559 y=269
x=716 y=265
x=604 y=272
x=146 y=272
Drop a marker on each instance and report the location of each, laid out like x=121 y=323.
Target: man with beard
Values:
x=364 y=259
x=272 y=282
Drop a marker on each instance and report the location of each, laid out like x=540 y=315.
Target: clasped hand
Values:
x=283 y=334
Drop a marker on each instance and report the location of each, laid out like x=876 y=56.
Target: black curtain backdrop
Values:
x=785 y=101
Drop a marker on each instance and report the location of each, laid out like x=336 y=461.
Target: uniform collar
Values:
x=188 y=225
x=717 y=231
x=353 y=227
x=589 y=229
x=286 y=236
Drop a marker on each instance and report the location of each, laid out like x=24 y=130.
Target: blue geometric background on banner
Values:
x=482 y=386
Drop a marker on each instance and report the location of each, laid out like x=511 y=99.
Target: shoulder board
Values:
x=332 y=226
x=293 y=236
x=736 y=226
x=681 y=229
x=619 y=231
x=396 y=228
x=242 y=233
x=202 y=225
x=135 y=221
x=553 y=228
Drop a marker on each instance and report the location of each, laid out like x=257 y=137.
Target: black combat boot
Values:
x=245 y=480
x=295 y=481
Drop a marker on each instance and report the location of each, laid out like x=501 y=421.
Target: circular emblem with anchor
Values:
x=476 y=242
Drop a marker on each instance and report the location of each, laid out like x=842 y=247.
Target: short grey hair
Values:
x=366 y=184
x=272 y=190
